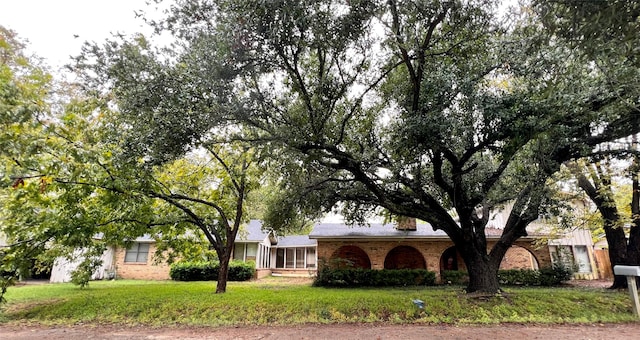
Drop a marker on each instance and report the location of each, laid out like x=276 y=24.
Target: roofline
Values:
x=295 y=245
x=379 y=238
x=424 y=237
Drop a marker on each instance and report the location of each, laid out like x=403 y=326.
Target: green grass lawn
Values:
x=278 y=302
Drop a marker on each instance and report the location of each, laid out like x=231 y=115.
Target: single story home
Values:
x=376 y=246
x=413 y=245
x=291 y=255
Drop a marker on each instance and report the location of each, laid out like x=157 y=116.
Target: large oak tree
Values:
x=436 y=110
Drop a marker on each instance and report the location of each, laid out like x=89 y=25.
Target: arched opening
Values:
x=404 y=257
x=450 y=259
x=519 y=258
x=350 y=257
x=452 y=267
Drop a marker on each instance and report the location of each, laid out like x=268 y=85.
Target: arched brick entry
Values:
x=451 y=260
x=404 y=257
x=350 y=256
x=519 y=258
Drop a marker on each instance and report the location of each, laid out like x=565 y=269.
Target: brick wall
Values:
x=524 y=255
x=540 y=252
x=518 y=258
x=140 y=271
x=378 y=250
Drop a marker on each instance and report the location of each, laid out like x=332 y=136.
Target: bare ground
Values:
x=334 y=332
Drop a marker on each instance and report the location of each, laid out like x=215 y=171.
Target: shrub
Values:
x=527 y=277
x=519 y=277
x=208 y=271
x=241 y=271
x=454 y=277
x=359 y=277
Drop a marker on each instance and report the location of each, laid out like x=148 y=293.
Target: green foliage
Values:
x=208 y=271
x=8 y=278
x=24 y=94
x=443 y=114
x=528 y=277
x=454 y=277
x=79 y=183
x=359 y=277
x=91 y=261
x=24 y=87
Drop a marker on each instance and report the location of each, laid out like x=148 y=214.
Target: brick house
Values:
x=136 y=262
x=413 y=245
x=291 y=255
x=377 y=246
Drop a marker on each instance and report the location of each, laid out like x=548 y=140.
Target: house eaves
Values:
x=386 y=232
x=296 y=241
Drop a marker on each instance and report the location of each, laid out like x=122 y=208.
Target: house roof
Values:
x=386 y=231
x=296 y=241
x=252 y=232
x=374 y=230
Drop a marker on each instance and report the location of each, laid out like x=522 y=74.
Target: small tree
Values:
x=24 y=88
x=84 y=183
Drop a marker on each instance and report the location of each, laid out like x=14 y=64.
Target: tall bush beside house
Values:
x=208 y=271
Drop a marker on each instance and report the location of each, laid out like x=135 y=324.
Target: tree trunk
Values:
x=633 y=247
x=601 y=195
x=483 y=277
x=617 y=242
x=223 y=274
x=483 y=274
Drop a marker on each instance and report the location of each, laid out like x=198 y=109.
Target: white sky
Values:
x=50 y=26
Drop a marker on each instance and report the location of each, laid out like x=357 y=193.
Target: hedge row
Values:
x=516 y=277
x=208 y=271
x=359 y=277
x=454 y=277
x=528 y=277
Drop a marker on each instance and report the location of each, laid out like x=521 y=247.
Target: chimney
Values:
x=406 y=223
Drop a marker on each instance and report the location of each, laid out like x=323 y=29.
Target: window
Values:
x=301 y=257
x=245 y=251
x=311 y=257
x=238 y=251
x=252 y=251
x=289 y=257
x=582 y=259
x=265 y=259
x=138 y=253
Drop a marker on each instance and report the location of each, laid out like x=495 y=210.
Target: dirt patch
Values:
x=24 y=306
x=590 y=283
x=340 y=331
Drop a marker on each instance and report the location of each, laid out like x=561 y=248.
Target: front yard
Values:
x=277 y=301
